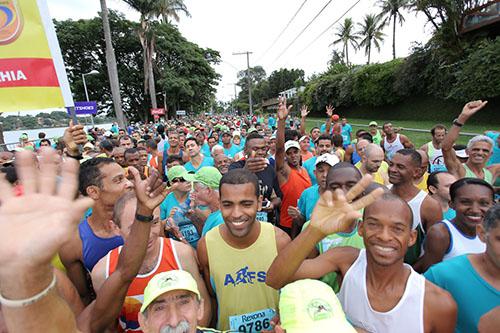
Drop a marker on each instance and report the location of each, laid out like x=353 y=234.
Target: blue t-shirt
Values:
x=205 y=149
x=473 y=295
x=323 y=129
x=449 y=214
x=271 y=122
x=495 y=157
x=308 y=200
x=186 y=227
x=310 y=166
x=346 y=134
x=213 y=220
x=207 y=161
x=231 y=151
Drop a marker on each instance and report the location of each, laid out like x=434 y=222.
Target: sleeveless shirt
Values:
x=415 y=251
x=392 y=147
x=436 y=161
x=407 y=316
x=167 y=261
x=488 y=176
x=95 y=247
x=238 y=277
x=298 y=181
x=460 y=243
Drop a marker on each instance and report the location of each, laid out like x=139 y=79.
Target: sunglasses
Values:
x=178 y=180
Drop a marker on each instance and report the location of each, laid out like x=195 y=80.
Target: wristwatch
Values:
x=143 y=218
x=457 y=123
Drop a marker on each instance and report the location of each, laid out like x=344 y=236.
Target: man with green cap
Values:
x=373 y=129
x=172 y=303
x=206 y=193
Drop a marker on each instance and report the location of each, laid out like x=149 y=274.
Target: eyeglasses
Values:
x=178 y=180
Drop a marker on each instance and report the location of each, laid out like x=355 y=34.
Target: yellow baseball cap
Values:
x=168 y=281
x=310 y=306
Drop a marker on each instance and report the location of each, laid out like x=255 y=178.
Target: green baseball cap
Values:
x=208 y=176
x=177 y=171
x=311 y=306
x=168 y=281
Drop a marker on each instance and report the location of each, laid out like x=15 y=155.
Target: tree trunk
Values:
x=112 y=68
x=394 y=36
x=151 y=77
x=347 y=53
x=369 y=51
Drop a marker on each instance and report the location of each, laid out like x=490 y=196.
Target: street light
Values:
x=92 y=72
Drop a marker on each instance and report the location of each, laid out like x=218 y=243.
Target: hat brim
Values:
x=332 y=325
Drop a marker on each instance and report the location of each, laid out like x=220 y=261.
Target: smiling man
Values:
x=470 y=198
x=479 y=148
x=378 y=293
x=236 y=255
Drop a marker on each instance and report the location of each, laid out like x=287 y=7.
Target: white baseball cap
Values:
x=291 y=144
x=327 y=158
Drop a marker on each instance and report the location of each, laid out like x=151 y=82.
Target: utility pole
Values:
x=249 y=79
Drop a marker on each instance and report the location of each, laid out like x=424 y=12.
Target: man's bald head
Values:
x=397 y=205
x=373 y=157
x=373 y=150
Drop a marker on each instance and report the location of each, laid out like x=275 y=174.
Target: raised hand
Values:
x=34 y=226
x=151 y=191
x=472 y=107
x=329 y=110
x=335 y=212
x=73 y=136
x=303 y=111
x=283 y=110
x=293 y=212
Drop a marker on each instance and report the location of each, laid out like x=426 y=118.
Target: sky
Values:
x=233 y=26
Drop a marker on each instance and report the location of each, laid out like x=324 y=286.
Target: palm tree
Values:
x=391 y=11
x=150 y=11
x=111 y=65
x=371 y=32
x=346 y=35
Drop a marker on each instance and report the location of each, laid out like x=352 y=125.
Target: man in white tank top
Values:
x=433 y=148
x=471 y=198
x=393 y=142
x=379 y=293
x=403 y=168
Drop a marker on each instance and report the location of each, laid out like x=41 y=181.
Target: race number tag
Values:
x=261 y=216
x=252 y=322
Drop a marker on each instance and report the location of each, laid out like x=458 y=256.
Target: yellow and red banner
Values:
x=32 y=73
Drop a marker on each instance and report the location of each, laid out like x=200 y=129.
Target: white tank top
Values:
x=407 y=316
x=435 y=155
x=460 y=243
x=415 y=205
x=392 y=147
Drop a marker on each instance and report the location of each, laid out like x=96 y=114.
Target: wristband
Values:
x=457 y=123
x=143 y=218
x=28 y=301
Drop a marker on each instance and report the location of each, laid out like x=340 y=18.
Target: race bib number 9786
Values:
x=252 y=322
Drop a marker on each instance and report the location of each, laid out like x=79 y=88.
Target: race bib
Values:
x=189 y=232
x=261 y=216
x=252 y=322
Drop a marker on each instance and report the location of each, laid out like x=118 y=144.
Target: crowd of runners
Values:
x=251 y=224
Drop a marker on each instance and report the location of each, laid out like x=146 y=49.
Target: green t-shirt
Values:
x=352 y=239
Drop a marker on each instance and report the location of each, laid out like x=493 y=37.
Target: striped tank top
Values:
x=167 y=261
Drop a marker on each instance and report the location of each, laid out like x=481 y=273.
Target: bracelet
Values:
x=28 y=301
x=143 y=218
x=457 y=123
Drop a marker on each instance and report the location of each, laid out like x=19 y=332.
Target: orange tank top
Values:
x=298 y=181
x=167 y=261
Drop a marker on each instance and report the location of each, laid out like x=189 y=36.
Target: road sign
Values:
x=180 y=112
x=85 y=108
x=158 y=112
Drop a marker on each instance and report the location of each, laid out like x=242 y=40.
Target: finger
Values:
x=5 y=189
x=79 y=207
x=47 y=177
x=27 y=172
x=338 y=197
x=136 y=177
x=69 y=179
x=357 y=189
x=367 y=199
x=252 y=154
x=151 y=180
x=353 y=216
x=71 y=123
x=158 y=192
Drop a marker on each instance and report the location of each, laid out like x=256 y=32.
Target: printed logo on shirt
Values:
x=244 y=276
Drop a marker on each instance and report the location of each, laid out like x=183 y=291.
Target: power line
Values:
x=329 y=27
x=302 y=31
x=282 y=31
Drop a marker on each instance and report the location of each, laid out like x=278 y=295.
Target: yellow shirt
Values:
x=423 y=183
x=377 y=176
x=238 y=277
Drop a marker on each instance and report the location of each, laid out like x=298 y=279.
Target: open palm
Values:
x=35 y=225
x=283 y=110
x=335 y=212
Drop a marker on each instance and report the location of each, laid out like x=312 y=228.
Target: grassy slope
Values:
x=418 y=138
